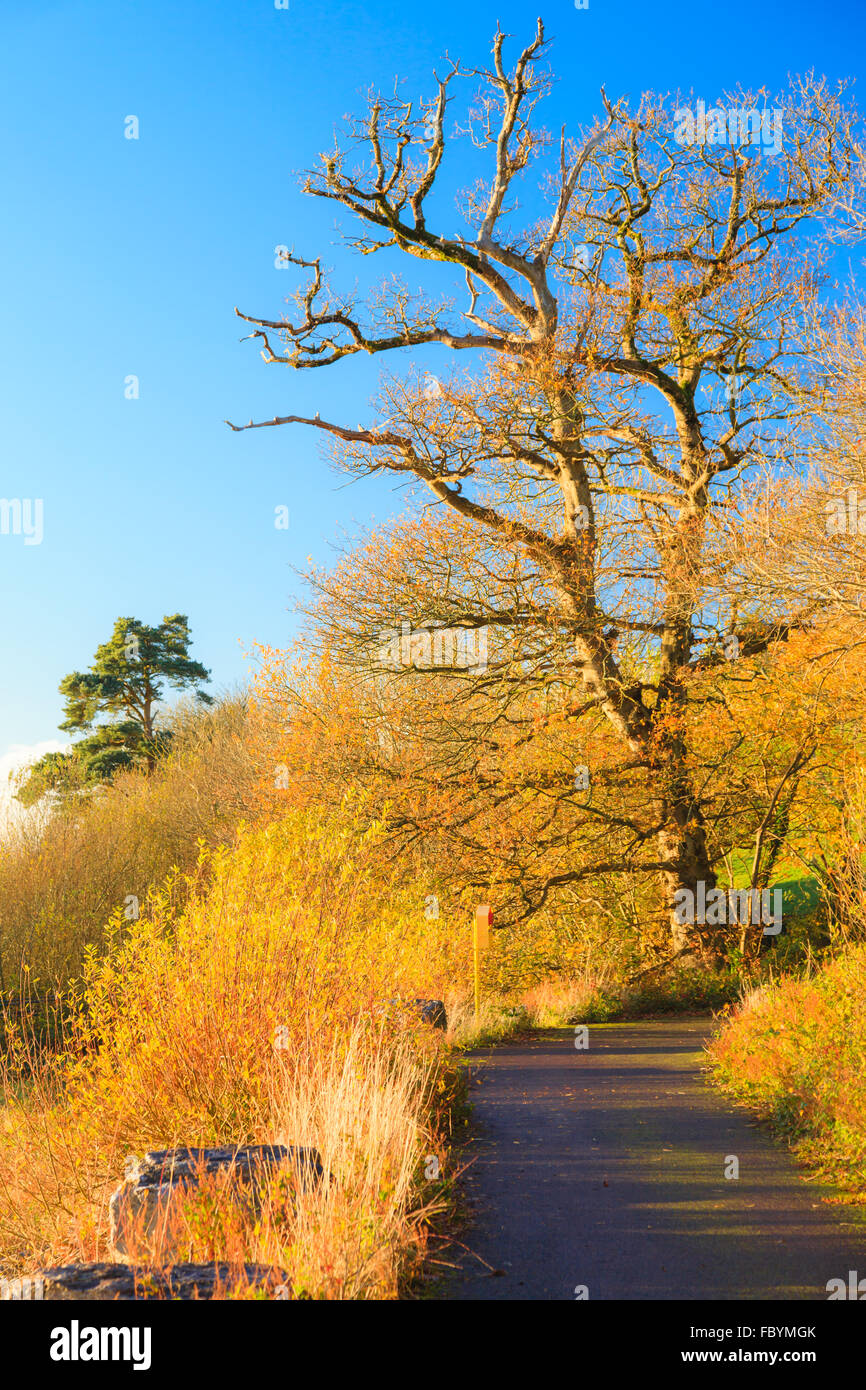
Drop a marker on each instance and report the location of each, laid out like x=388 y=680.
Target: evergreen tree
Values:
x=114 y=704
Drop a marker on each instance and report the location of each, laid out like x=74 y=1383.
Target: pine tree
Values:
x=114 y=704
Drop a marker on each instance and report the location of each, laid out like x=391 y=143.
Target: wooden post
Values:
x=480 y=941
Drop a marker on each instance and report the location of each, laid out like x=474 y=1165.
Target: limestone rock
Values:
x=149 y=1184
x=106 y=1283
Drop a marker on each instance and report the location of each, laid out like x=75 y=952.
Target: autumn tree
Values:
x=631 y=355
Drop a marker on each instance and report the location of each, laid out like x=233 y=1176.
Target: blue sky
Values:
x=126 y=257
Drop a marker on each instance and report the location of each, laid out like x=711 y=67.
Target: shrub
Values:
x=63 y=876
x=794 y=1051
x=253 y=1013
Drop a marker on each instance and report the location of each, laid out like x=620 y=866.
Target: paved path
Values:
x=605 y=1168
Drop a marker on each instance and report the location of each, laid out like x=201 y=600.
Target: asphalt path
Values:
x=600 y=1173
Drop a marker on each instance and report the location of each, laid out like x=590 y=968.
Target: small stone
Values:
x=431 y=1011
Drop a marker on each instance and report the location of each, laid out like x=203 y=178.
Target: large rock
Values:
x=107 y=1283
x=139 y=1204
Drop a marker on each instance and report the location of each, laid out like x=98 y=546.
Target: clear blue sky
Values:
x=126 y=257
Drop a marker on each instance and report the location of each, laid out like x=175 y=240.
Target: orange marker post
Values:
x=481 y=940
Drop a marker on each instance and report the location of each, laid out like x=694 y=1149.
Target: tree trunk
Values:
x=682 y=844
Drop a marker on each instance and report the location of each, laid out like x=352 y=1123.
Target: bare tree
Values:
x=798 y=546
x=642 y=355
